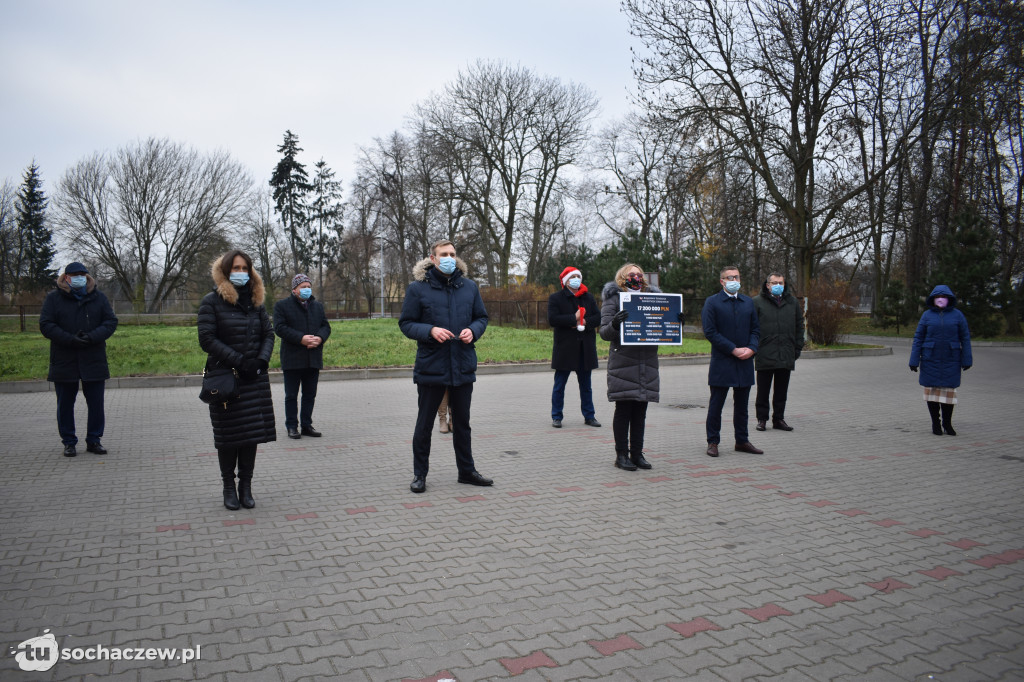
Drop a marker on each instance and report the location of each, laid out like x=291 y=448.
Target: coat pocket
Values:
x=928 y=350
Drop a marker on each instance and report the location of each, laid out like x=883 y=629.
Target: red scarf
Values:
x=583 y=311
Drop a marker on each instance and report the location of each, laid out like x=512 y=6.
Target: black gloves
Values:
x=966 y=367
x=682 y=318
x=619 y=318
x=252 y=368
x=913 y=368
x=82 y=339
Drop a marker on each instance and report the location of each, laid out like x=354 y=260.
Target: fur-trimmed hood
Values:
x=613 y=288
x=420 y=270
x=226 y=290
x=90 y=285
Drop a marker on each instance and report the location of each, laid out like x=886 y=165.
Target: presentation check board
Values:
x=653 y=319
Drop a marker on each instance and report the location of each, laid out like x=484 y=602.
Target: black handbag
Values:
x=219 y=386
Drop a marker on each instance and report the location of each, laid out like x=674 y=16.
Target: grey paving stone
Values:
x=408 y=592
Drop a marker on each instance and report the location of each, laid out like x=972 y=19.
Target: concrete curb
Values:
x=196 y=380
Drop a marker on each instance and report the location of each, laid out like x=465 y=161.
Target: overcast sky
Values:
x=85 y=76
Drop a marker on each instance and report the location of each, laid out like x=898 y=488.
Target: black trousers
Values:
x=740 y=397
x=459 y=399
x=765 y=378
x=67 y=392
x=243 y=456
x=628 y=425
x=307 y=379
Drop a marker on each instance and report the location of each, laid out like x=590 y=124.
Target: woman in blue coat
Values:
x=942 y=348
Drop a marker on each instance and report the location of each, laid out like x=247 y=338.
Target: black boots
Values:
x=933 y=410
x=639 y=461
x=622 y=461
x=947 y=419
x=230 y=496
x=245 y=493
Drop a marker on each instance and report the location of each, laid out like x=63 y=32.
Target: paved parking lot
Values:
x=859 y=547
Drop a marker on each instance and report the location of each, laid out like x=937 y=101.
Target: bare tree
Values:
x=11 y=244
x=767 y=76
x=514 y=133
x=146 y=211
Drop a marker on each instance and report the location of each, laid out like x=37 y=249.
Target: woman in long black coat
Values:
x=574 y=316
x=235 y=332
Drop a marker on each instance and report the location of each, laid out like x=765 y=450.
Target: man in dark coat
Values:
x=444 y=314
x=302 y=324
x=574 y=316
x=730 y=323
x=78 y=320
x=782 y=340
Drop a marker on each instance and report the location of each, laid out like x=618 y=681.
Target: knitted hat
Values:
x=569 y=272
x=75 y=269
x=300 y=279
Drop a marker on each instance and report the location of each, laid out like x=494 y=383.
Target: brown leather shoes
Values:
x=749 y=448
x=712 y=449
x=781 y=425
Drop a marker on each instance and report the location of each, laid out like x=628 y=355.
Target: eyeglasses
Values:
x=732 y=278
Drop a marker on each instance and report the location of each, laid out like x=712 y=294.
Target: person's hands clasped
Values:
x=82 y=339
x=440 y=334
x=743 y=353
x=619 y=318
x=248 y=369
x=310 y=341
x=466 y=335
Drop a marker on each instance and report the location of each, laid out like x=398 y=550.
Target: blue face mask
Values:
x=239 y=279
x=575 y=282
x=777 y=289
x=732 y=286
x=78 y=281
x=446 y=264
x=305 y=293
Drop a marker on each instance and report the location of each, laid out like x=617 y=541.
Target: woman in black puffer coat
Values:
x=235 y=331
x=633 y=379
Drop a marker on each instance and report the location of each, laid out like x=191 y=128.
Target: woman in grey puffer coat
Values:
x=633 y=379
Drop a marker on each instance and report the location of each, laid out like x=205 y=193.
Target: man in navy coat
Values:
x=730 y=323
x=444 y=314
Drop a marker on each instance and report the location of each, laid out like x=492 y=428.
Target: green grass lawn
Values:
x=172 y=350
x=862 y=325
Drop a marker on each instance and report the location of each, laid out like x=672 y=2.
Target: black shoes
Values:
x=419 y=484
x=95 y=448
x=311 y=432
x=70 y=451
x=474 y=478
x=639 y=461
x=592 y=422
x=623 y=462
x=712 y=450
x=760 y=424
x=749 y=448
x=556 y=423
x=294 y=433
x=780 y=425
x=230 y=496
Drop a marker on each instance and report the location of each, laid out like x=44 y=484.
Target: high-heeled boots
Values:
x=246 y=464
x=226 y=458
x=947 y=419
x=933 y=410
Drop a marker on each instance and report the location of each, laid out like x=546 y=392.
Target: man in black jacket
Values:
x=302 y=324
x=444 y=314
x=78 y=320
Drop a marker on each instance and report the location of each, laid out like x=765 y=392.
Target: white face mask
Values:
x=732 y=286
x=575 y=282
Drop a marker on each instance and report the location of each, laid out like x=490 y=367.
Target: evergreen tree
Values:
x=291 y=186
x=325 y=219
x=966 y=262
x=35 y=236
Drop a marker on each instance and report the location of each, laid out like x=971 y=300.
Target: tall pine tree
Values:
x=325 y=219
x=36 y=238
x=291 y=185
x=966 y=262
